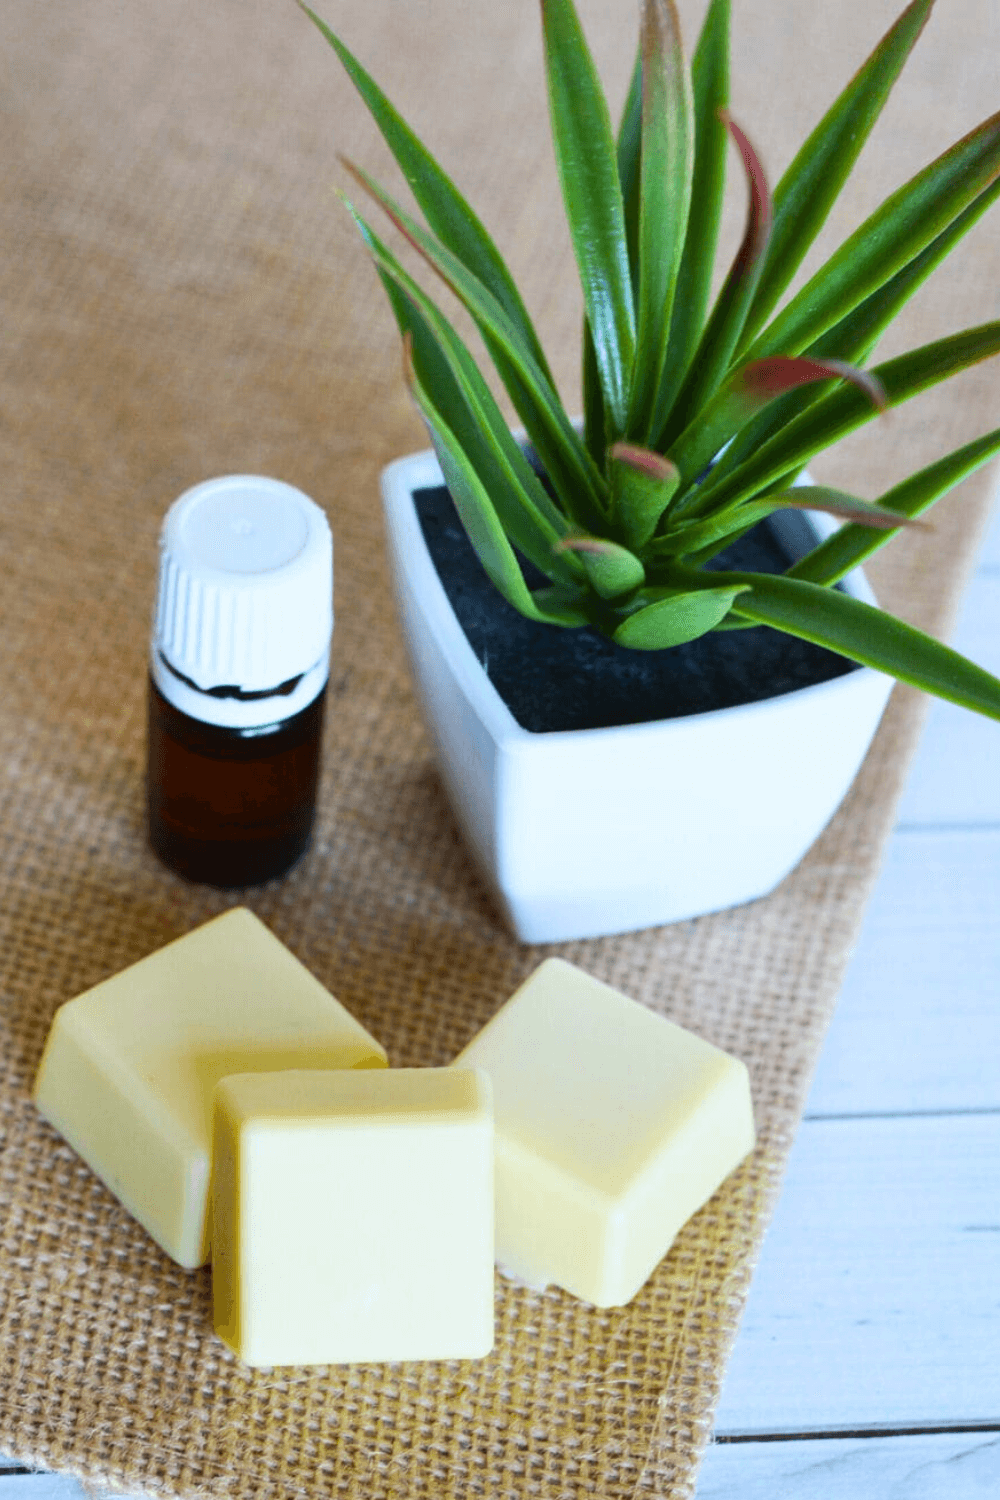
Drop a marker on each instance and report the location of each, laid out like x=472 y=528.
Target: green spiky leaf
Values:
x=908 y=221
x=808 y=190
x=444 y=207
x=588 y=173
x=476 y=511
x=852 y=545
x=578 y=484
x=465 y=403
x=710 y=85
x=719 y=339
x=704 y=538
x=854 y=338
x=751 y=389
x=866 y=635
x=841 y=412
x=628 y=156
x=667 y=159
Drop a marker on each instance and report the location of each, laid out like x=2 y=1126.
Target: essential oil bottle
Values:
x=239 y=664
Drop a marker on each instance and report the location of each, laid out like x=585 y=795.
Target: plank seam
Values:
x=816 y=1434
x=959 y=1111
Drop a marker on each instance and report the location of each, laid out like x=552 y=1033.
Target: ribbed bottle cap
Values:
x=244 y=609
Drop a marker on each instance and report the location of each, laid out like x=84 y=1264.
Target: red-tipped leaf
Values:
x=764 y=379
x=760 y=213
x=748 y=391
x=722 y=332
x=810 y=186
x=653 y=465
x=611 y=569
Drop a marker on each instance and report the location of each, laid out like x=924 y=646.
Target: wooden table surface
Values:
x=868 y=1363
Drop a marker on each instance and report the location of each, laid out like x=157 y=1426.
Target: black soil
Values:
x=555 y=679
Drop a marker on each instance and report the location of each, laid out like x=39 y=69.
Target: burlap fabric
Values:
x=183 y=296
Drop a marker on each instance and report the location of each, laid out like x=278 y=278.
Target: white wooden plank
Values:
x=48 y=1487
x=954 y=777
x=15 y=1486
x=917 y=1025
x=39 y=1487
x=948 y=1466
x=877 y=1299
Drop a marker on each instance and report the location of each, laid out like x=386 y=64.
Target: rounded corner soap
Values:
x=130 y=1066
x=613 y=1125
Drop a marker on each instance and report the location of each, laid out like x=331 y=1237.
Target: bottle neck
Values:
x=231 y=707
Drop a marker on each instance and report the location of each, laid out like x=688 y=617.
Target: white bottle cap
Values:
x=244 y=609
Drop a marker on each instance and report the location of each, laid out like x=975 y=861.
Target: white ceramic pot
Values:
x=644 y=856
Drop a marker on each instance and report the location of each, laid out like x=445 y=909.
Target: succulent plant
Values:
x=697 y=420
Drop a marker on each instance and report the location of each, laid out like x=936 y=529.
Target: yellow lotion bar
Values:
x=130 y=1066
x=354 y=1216
x=613 y=1125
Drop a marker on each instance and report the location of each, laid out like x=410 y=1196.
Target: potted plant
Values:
x=639 y=529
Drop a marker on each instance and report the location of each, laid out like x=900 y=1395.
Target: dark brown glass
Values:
x=231 y=807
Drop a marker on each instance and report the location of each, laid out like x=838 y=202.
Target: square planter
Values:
x=584 y=833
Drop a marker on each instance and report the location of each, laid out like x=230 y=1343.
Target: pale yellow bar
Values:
x=354 y=1216
x=131 y=1066
x=613 y=1126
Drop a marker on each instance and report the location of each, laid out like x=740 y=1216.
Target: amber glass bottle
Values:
x=239 y=666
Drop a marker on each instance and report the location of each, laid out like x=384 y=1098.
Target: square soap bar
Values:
x=354 y=1216
x=613 y=1125
x=130 y=1067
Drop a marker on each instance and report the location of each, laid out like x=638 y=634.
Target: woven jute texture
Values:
x=183 y=296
